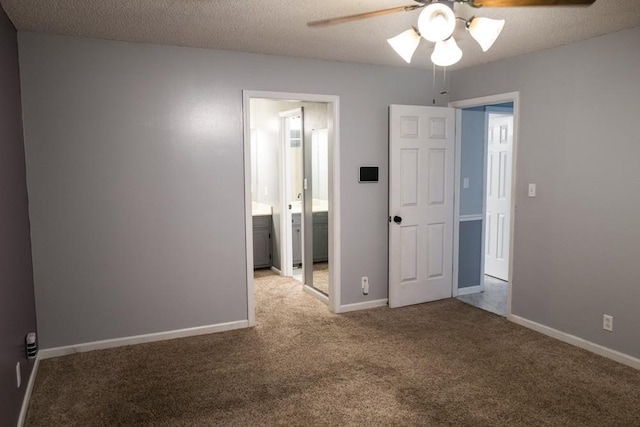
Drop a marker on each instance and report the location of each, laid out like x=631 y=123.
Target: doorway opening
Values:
x=291 y=186
x=485 y=179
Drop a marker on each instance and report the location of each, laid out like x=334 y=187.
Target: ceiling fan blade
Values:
x=358 y=16
x=515 y=3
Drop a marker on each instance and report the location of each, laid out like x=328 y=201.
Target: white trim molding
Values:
x=27 y=393
x=469 y=290
x=316 y=293
x=456 y=204
x=275 y=270
x=363 y=305
x=478 y=217
x=139 y=339
x=598 y=349
x=333 y=124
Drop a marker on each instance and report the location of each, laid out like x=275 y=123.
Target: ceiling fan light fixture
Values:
x=405 y=44
x=436 y=22
x=485 y=31
x=446 y=53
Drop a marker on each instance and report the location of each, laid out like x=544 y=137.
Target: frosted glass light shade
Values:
x=485 y=31
x=405 y=44
x=436 y=22
x=446 y=53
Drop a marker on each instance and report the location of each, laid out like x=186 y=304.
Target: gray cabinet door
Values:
x=297 y=239
x=261 y=241
x=320 y=237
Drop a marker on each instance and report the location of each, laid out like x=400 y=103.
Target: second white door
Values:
x=500 y=148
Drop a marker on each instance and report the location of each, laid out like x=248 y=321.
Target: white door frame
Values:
x=333 y=122
x=477 y=102
x=286 y=249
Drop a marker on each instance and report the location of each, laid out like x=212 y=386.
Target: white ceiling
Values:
x=279 y=26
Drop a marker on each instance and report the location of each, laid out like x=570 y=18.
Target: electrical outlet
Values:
x=607 y=323
x=18 y=375
x=365 y=285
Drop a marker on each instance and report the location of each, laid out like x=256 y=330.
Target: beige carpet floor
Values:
x=321 y=277
x=439 y=364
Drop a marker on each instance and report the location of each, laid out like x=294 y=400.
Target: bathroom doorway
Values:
x=290 y=188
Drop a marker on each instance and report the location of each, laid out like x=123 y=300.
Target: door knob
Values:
x=397 y=219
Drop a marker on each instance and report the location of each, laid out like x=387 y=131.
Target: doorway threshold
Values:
x=493 y=298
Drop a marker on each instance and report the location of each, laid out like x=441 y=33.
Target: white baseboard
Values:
x=316 y=293
x=363 y=305
x=469 y=290
x=619 y=357
x=27 y=393
x=139 y=339
x=275 y=270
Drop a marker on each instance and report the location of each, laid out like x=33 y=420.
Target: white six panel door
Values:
x=421 y=178
x=499 y=153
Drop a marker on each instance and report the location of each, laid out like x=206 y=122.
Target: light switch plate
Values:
x=465 y=182
x=532 y=190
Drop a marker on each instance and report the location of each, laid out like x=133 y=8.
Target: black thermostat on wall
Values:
x=368 y=174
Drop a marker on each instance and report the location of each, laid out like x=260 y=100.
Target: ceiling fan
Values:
x=437 y=22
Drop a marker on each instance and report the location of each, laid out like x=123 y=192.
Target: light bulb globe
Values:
x=485 y=31
x=446 y=53
x=436 y=22
x=405 y=44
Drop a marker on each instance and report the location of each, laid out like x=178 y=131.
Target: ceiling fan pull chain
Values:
x=444 y=79
x=434 y=75
x=445 y=90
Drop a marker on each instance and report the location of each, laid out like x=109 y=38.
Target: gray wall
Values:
x=17 y=309
x=472 y=160
x=470 y=254
x=577 y=244
x=472 y=166
x=135 y=173
x=472 y=147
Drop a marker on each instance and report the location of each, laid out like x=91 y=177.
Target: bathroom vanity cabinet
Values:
x=320 y=237
x=262 y=241
x=296 y=235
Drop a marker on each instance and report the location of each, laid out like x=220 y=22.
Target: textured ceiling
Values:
x=279 y=26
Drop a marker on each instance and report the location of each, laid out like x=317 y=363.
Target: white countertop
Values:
x=317 y=206
x=259 y=209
